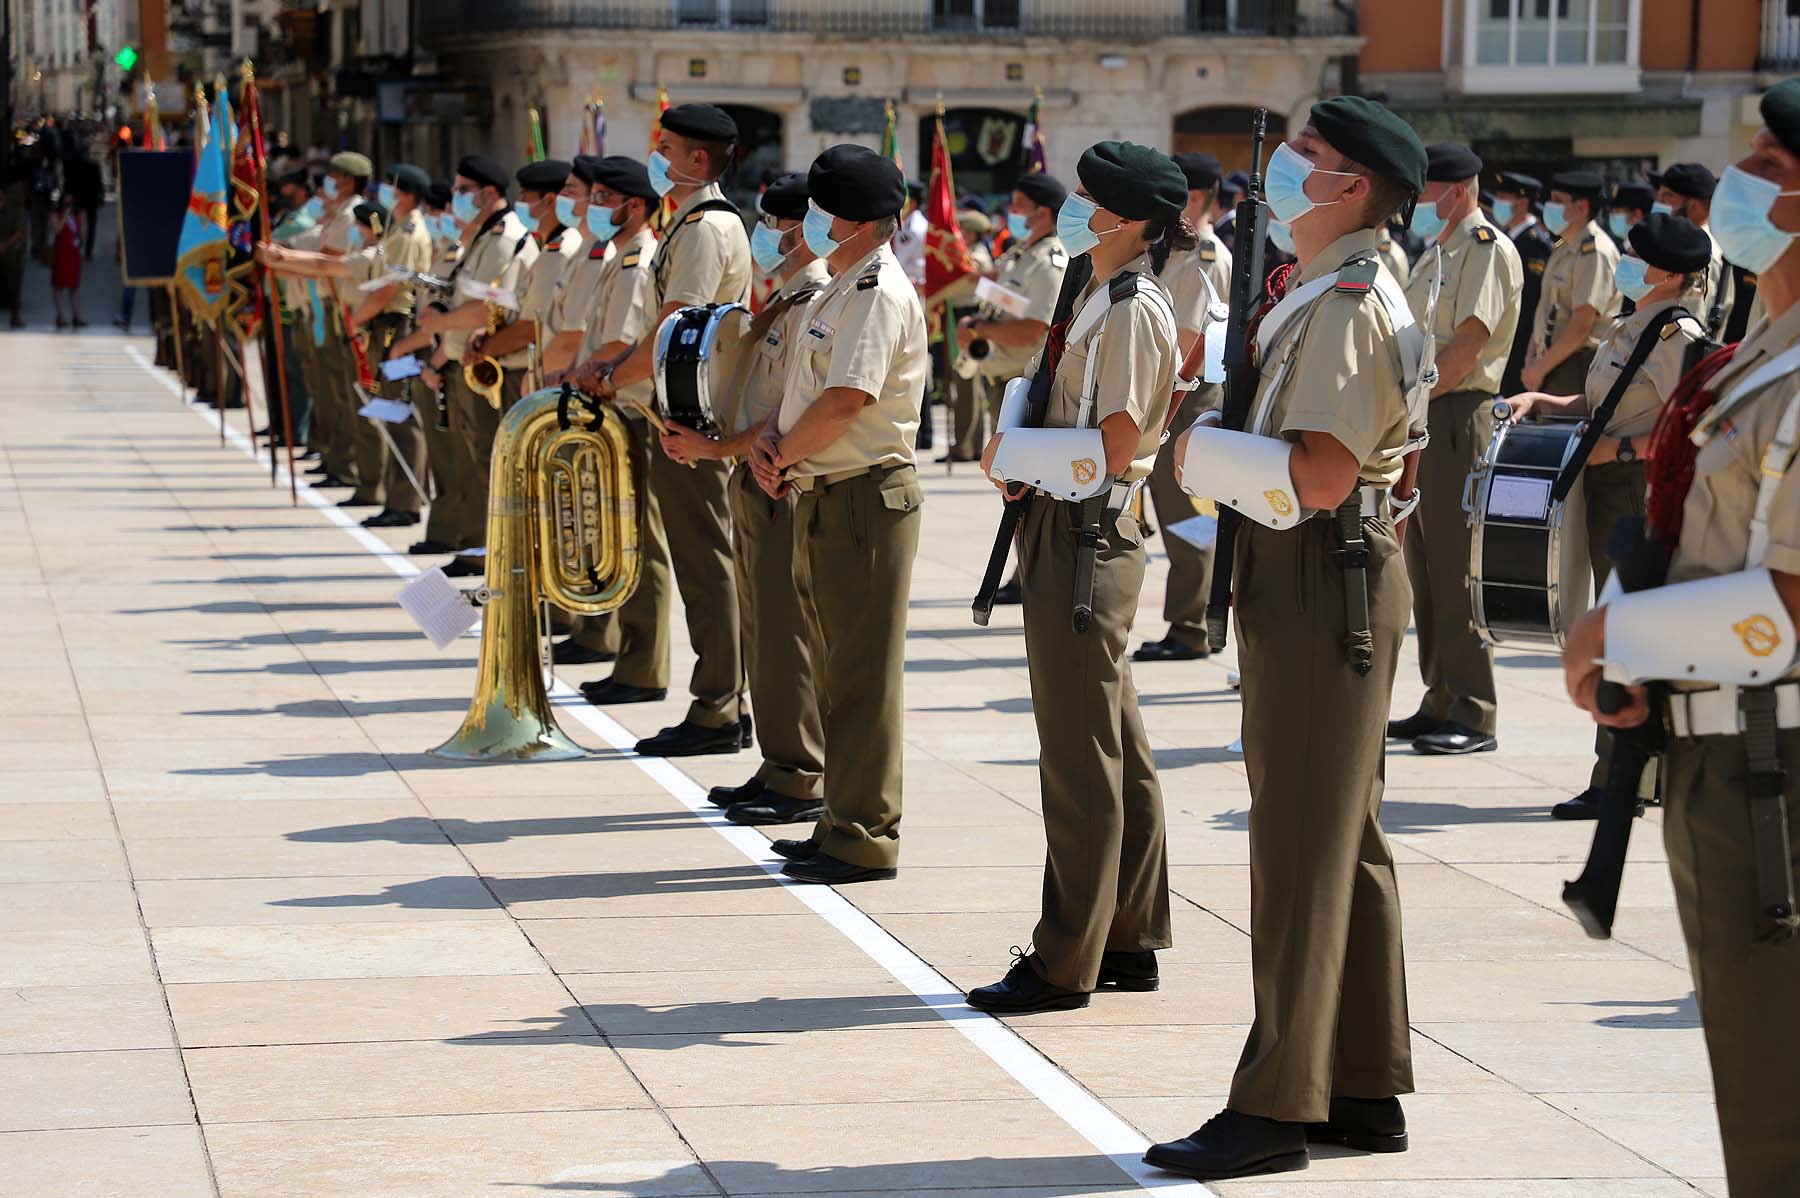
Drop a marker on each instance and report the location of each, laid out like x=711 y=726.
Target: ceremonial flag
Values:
x=593 y=129
x=536 y=137
x=1032 y=143
x=946 y=254
x=200 y=252
x=247 y=182
x=890 y=139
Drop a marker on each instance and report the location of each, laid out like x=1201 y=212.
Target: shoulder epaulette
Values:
x=694 y=216
x=1750 y=278
x=1483 y=234
x=1058 y=254
x=1588 y=246
x=869 y=280
x=1686 y=324
x=1358 y=277
x=1535 y=266
x=1209 y=251
x=631 y=259
x=1124 y=285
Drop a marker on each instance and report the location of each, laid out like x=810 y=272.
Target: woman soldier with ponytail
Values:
x=1113 y=368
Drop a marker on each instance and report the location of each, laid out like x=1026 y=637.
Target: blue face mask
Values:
x=356 y=237
x=1555 y=217
x=600 y=223
x=1630 y=279
x=1017 y=227
x=658 y=166
x=1425 y=221
x=463 y=205
x=315 y=208
x=565 y=212
x=1662 y=209
x=330 y=188
x=1285 y=184
x=1619 y=224
x=386 y=196
x=1740 y=220
x=1072 y=225
x=1282 y=235
x=816 y=228
x=1503 y=211
x=765 y=247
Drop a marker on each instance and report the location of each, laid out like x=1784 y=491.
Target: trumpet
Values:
x=562 y=526
x=484 y=376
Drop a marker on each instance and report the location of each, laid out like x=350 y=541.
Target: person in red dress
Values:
x=65 y=262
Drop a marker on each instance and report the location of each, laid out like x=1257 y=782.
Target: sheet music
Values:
x=438 y=608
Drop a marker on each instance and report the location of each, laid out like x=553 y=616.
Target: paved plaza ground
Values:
x=253 y=941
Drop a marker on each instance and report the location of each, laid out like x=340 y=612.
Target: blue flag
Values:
x=200 y=254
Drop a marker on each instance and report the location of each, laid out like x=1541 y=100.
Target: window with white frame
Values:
x=1550 y=33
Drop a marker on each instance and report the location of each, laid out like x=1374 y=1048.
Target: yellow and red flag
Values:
x=248 y=179
x=946 y=254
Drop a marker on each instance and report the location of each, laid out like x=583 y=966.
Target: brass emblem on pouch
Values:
x=1759 y=635
x=1084 y=470
x=1279 y=503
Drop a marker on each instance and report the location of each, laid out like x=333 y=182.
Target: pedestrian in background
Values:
x=65 y=261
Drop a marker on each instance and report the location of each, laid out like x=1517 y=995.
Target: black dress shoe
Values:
x=467 y=565
x=1455 y=739
x=1585 y=805
x=746 y=731
x=1010 y=594
x=1023 y=992
x=389 y=518
x=430 y=548
x=353 y=501
x=572 y=652
x=773 y=808
x=795 y=850
x=1134 y=972
x=1169 y=649
x=827 y=870
x=1413 y=726
x=730 y=796
x=1233 y=1145
x=606 y=692
x=1365 y=1124
x=688 y=739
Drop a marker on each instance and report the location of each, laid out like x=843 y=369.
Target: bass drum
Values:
x=1529 y=577
x=698 y=354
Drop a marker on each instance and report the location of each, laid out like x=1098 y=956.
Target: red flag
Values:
x=946 y=254
x=247 y=182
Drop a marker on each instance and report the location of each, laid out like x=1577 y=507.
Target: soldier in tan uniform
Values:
x=1721 y=634
x=429 y=400
x=1198 y=280
x=1579 y=298
x=1686 y=190
x=967 y=407
x=843 y=438
x=345 y=181
x=704 y=259
x=1665 y=273
x=546 y=188
x=1477 y=312
x=1330 y=1048
x=1106 y=885
x=296 y=230
x=779 y=655
x=1393 y=256
x=329 y=385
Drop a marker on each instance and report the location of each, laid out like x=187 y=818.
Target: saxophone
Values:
x=562 y=527
x=484 y=375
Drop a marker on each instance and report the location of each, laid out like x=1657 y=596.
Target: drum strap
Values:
x=1596 y=423
x=759 y=328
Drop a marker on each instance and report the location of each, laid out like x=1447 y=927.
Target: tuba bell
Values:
x=562 y=527
x=484 y=375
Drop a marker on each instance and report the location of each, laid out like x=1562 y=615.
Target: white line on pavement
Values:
x=1053 y=1087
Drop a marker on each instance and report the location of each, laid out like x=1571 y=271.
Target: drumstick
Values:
x=661 y=425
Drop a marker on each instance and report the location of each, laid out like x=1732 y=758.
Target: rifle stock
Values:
x=1241 y=374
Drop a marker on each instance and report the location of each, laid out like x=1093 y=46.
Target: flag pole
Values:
x=275 y=327
x=219 y=375
x=175 y=327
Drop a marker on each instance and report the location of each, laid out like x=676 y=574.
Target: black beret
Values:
x=915 y=189
x=625 y=175
x=583 y=168
x=372 y=215
x=1202 y=170
x=1237 y=182
x=1633 y=195
x=439 y=196
x=483 y=170
x=410 y=179
x=1486 y=198
x=1690 y=179
x=1781 y=113
x=1671 y=243
x=1513 y=183
x=1132 y=181
x=1577 y=183
x=1369 y=134
x=702 y=122
x=1450 y=162
x=546 y=174
x=1046 y=191
x=298 y=179
x=785 y=197
x=856 y=183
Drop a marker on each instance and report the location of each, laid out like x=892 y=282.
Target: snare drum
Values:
x=698 y=351
x=1529 y=577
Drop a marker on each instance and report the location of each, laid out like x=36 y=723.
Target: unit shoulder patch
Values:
x=1483 y=235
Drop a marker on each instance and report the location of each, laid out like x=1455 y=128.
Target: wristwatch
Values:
x=1626 y=452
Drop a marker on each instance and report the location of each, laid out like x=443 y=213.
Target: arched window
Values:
x=758 y=153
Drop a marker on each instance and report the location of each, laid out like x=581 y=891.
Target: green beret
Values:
x=1133 y=181
x=1781 y=113
x=357 y=166
x=410 y=179
x=1368 y=134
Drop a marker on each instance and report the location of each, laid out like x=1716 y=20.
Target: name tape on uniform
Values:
x=438 y=607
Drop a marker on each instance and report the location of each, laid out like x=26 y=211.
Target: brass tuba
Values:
x=562 y=526
x=484 y=375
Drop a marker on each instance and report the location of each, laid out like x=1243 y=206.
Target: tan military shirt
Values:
x=1393 y=257
x=1186 y=276
x=537 y=288
x=1483 y=279
x=703 y=259
x=1135 y=371
x=771 y=354
x=334 y=238
x=865 y=330
x=1035 y=271
x=1715 y=520
x=1578 y=275
x=577 y=289
x=622 y=309
x=496 y=258
x=405 y=246
x=1655 y=380
x=1335 y=369
x=296 y=290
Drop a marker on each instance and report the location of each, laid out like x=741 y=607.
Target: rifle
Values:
x=1594 y=896
x=1251 y=230
x=1037 y=404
